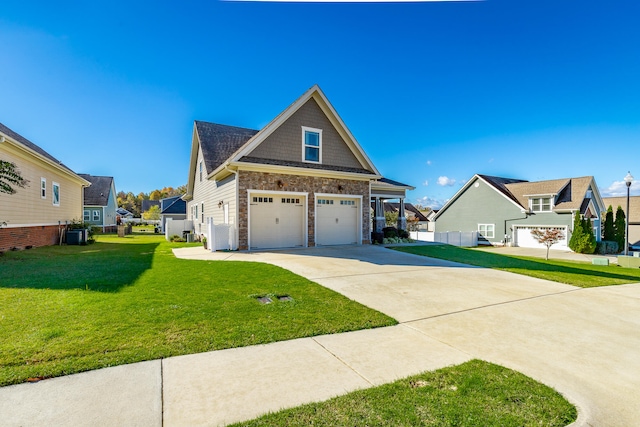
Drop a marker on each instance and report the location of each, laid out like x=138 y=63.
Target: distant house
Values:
x=147 y=204
x=100 y=202
x=410 y=211
x=302 y=180
x=123 y=213
x=504 y=210
x=172 y=208
x=35 y=215
x=634 y=215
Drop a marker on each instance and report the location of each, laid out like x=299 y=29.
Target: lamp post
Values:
x=627 y=180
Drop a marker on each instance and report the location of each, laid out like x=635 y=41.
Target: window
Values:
x=348 y=202
x=56 y=194
x=202 y=212
x=290 y=201
x=201 y=171
x=487 y=230
x=87 y=215
x=263 y=200
x=96 y=215
x=541 y=204
x=311 y=145
x=43 y=188
x=325 y=201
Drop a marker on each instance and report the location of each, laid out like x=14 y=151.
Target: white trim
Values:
x=514 y=236
x=53 y=193
x=305 y=219
x=86 y=213
x=337 y=196
x=43 y=180
x=493 y=231
x=541 y=198
x=306 y=129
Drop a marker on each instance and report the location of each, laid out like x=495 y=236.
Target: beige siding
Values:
x=285 y=143
x=211 y=193
x=26 y=206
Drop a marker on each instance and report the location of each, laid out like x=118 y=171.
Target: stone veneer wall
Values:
x=269 y=182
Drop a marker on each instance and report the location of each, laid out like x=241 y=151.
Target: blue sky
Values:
x=434 y=91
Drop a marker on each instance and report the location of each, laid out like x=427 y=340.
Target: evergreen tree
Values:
x=578 y=233
x=619 y=226
x=589 y=245
x=609 y=229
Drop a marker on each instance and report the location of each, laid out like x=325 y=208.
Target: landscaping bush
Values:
x=607 y=247
x=403 y=234
x=377 y=237
x=390 y=232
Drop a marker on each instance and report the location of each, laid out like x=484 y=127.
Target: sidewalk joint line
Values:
x=162 y=392
x=343 y=362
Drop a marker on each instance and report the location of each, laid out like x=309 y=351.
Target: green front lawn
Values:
x=582 y=274
x=475 y=393
x=121 y=300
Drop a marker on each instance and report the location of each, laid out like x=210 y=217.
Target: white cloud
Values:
x=426 y=183
x=428 y=162
x=429 y=202
x=445 y=181
x=619 y=188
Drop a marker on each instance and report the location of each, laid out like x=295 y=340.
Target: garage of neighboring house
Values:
x=277 y=220
x=524 y=239
x=337 y=219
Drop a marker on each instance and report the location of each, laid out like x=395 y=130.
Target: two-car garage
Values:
x=281 y=219
x=524 y=239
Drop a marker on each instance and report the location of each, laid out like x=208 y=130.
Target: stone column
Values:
x=378 y=215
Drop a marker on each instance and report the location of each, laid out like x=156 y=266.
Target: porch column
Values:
x=402 y=220
x=379 y=221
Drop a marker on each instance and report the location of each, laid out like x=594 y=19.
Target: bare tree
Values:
x=547 y=237
x=9 y=177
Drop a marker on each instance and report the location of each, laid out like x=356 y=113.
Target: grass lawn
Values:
x=67 y=309
x=475 y=393
x=582 y=274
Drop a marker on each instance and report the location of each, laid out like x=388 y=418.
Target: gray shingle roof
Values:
x=634 y=206
x=173 y=205
x=219 y=142
x=146 y=204
x=98 y=193
x=24 y=141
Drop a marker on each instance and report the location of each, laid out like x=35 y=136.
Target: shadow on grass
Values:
x=101 y=267
x=511 y=263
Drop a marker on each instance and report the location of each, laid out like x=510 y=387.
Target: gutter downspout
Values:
x=526 y=215
x=237 y=216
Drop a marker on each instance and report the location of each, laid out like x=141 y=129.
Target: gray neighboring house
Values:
x=100 y=202
x=173 y=208
x=634 y=215
x=504 y=210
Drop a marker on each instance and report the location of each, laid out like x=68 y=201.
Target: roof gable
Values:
x=173 y=205
x=219 y=142
x=98 y=193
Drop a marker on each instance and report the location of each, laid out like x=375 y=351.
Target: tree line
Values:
x=133 y=202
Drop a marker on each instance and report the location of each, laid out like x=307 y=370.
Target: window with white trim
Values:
x=56 y=194
x=200 y=170
x=487 y=230
x=87 y=215
x=43 y=188
x=311 y=145
x=202 y=212
x=96 y=215
x=541 y=204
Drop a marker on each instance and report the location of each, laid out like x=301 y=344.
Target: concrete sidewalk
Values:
x=583 y=342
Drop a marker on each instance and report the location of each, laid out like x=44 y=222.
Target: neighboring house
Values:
x=173 y=208
x=431 y=225
x=634 y=215
x=410 y=211
x=504 y=211
x=123 y=213
x=100 y=203
x=302 y=180
x=34 y=215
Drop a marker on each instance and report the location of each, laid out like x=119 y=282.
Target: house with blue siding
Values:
x=504 y=211
x=100 y=202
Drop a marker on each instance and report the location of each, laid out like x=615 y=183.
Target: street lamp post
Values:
x=627 y=180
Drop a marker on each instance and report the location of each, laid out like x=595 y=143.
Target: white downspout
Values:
x=237 y=216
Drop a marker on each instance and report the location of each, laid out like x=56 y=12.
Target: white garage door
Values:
x=276 y=221
x=524 y=239
x=337 y=220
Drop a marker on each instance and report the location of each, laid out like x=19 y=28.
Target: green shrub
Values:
x=607 y=247
x=377 y=237
x=403 y=234
x=390 y=232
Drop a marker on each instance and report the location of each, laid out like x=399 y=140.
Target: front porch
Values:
x=385 y=190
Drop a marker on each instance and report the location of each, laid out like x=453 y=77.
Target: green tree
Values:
x=10 y=177
x=619 y=226
x=582 y=239
x=152 y=214
x=609 y=229
x=156 y=195
x=578 y=233
x=391 y=219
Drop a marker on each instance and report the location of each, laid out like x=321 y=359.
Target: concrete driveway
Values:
x=583 y=342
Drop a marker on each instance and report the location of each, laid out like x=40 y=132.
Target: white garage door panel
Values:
x=337 y=221
x=276 y=221
x=524 y=239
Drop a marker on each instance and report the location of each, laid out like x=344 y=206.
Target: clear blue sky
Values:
x=434 y=92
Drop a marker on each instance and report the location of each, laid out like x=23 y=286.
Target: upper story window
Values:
x=200 y=171
x=541 y=204
x=96 y=215
x=56 y=194
x=43 y=188
x=311 y=145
